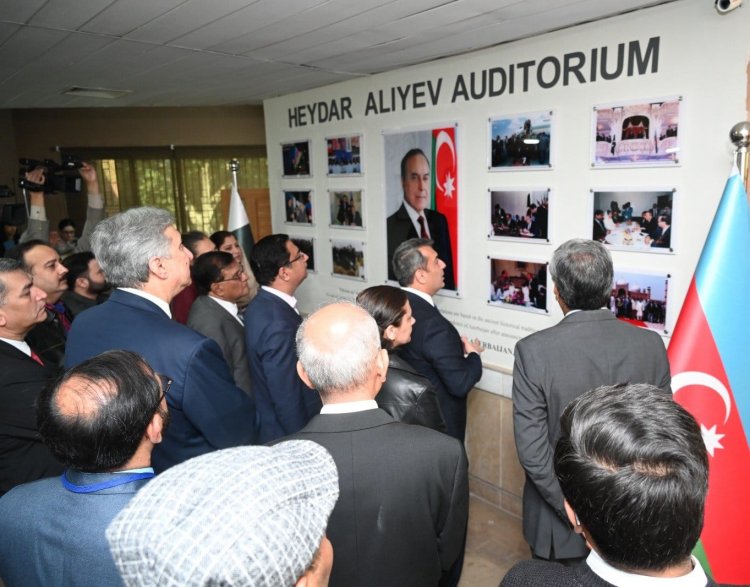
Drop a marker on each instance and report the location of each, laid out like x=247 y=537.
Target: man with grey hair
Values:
x=403 y=504
x=587 y=349
x=142 y=254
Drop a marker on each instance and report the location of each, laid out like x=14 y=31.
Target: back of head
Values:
x=207 y=269
x=94 y=416
x=19 y=251
x=385 y=304
x=268 y=256
x=407 y=258
x=124 y=243
x=337 y=346
x=191 y=239
x=633 y=466
x=77 y=264
x=245 y=516
x=7 y=266
x=582 y=271
x=218 y=237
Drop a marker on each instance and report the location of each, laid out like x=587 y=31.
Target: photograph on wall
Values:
x=348 y=258
x=296 y=157
x=519 y=214
x=421 y=193
x=641 y=299
x=639 y=133
x=298 y=206
x=344 y=156
x=633 y=219
x=307 y=246
x=521 y=141
x=518 y=284
x=346 y=208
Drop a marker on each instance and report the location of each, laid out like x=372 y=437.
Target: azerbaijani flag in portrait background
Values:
x=710 y=367
x=444 y=197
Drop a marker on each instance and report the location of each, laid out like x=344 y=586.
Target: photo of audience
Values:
x=296 y=158
x=641 y=299
x=521 y=285
x=348 y=258
x=307 y=246
x=344 y=155
x=298 y=206
x=521 y=141
x=346 y=208
x=522 y=214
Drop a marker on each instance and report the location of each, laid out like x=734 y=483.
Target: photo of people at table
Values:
x=641 y=299
x=634 y=220
x=519 y=214
x=521 y=285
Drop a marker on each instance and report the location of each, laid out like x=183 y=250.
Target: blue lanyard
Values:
x=119 y=479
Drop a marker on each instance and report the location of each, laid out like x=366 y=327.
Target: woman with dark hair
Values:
x=405 y=395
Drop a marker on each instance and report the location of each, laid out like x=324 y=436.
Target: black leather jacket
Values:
x=409 y=397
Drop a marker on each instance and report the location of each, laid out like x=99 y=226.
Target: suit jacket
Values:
x=52 y=536
x=211 y=320
x=436 y=351
x=400 y=228
x=207 y=410
x=23 y=455
x=48 y=339
x=663 y=239
x=285 y=403
x=554 y=366
x=600 y=233
x=403 y=504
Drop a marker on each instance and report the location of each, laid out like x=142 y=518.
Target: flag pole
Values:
x=234 y=166
x=740 y=137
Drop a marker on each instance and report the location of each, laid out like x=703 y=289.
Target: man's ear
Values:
x=156 y=267
x=155 y=428
x=382 y=364
x=303 y=375
x=217 y=289
x=573 y=518
x=82 y=282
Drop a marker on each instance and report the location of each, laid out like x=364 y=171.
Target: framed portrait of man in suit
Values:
x=422 y=193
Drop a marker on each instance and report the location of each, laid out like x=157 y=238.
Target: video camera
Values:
x=58 y=177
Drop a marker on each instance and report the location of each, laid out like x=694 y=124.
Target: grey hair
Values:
x=582 y=271
x=124 y=243
x=407 y=259
x=334 y=368
x=8 y=266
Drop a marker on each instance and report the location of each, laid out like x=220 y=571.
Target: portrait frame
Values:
x=625 y=218
x=295 y=159
x=509 y=209
x=348 y=214
x=306 y=244
x=348 y=259
x=344 y=156
x=517 y=283
x=637 y=133
x=639 y=285
x=521 y=142
x=299 y=207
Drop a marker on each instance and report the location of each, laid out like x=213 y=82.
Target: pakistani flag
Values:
x=238 y=224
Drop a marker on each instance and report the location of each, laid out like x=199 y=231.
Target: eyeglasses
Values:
x=235 y=277
x=297 y=258
x=165 y=383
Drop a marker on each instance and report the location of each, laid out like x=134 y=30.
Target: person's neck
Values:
x=160 y=290
x=420 y=288
x=141 y=458
x=283 y=286
x=53 y=298
x=11 y=335
x=84 y=293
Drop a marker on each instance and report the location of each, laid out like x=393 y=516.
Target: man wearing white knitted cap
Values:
x=245 y=517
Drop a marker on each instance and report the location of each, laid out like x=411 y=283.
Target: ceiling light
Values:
x=104 y=93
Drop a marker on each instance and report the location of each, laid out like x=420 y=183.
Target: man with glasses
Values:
x=284 y=403
x=221 y=283
x=101 y=419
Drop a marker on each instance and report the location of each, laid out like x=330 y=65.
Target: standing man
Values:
x=587 y=349
x=403 y=503
x=451 y=362
x=23 y=456
x=415 y=220
x=600 y=231
x=142 y=254
x=86 y=282
x=285 y=404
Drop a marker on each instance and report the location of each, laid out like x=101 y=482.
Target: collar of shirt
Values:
x=21 y=345
x=421 y=294
x=230 y=307
x=413 y=215
x=141 y=470
x=349 y=407
x=291 y=300
x=695 y=578
x=150 y=297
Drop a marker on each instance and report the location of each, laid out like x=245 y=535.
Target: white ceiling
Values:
x=222 y=52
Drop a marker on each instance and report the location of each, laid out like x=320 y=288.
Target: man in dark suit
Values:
x=663 y=238
x=403 y=502
x=600 y=232
x=23 y=455
x=451 y=362
x=141 y=253
x=588 y=348
x=648 y=224
x=633 y=468
x=221 y=282
x=86 y=282
x=102 y=419
x=414 y=219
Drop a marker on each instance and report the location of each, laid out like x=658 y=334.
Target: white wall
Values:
x=702 y=57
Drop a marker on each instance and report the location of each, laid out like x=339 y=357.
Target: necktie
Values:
x=36 y=358
x=422 y=229
x=240 y=317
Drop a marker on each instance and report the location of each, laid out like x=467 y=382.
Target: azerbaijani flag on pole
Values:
x=710 y=366
x=445 y=183
x=238 y=223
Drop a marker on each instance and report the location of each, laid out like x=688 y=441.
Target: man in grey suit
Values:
x=587 y=349
x=102 y=419
x=403 y=501
x=221 y=283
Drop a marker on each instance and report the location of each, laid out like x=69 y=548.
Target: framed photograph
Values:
x=519 y=214
x=307 y=246
x=638 y=219
x=344 y=155
x=518 y=285
x=296 y=158
x=638 y=133
x=298 y=207
x=346 y=208
x=348 y=259
x=521 y=141
x=425 y=201
x=641 y=298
